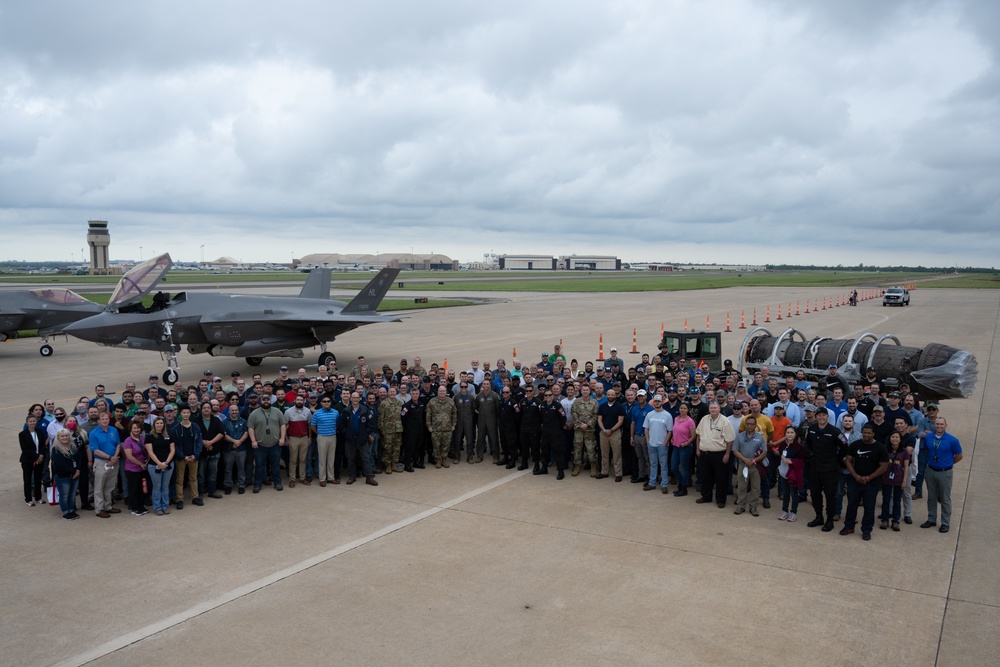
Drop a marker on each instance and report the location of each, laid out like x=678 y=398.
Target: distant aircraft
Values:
x=234 y=325
x=47 y=310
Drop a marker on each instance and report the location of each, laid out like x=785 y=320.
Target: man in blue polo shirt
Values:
x=105 y=446
x=943 y=452
x=324 y=427
x=637 y=434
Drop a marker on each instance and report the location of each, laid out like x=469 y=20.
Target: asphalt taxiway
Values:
x=476 y=565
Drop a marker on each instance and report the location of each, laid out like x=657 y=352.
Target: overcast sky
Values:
x=667 y=130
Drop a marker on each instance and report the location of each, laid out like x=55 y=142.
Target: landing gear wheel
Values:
x=255 y=361
x=45 y=350
x=170 y=376
x=326 y=358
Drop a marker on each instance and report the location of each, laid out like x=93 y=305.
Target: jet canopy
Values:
x=140 y=281
x=58 y=296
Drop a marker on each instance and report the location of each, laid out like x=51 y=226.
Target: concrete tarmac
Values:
x=479 y=565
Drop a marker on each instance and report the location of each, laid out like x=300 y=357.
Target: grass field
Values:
x=965 y=281
x=646 y=282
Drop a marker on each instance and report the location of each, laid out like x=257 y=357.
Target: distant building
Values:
x=527 y=262
x=395 y=260
x=99 y=239
x=590 y=263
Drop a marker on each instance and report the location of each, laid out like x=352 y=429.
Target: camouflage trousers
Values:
x=442 y=443
x=390 y=449
x=585 y=440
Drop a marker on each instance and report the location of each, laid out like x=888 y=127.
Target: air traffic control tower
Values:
x=98 y=238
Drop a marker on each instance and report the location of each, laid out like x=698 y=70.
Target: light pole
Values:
x=140 y=253
x=202 y=253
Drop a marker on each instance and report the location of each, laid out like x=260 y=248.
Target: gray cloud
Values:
x=695 y=131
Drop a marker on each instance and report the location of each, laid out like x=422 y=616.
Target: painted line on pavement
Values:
x=252 y=587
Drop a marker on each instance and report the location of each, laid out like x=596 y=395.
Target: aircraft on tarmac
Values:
x=47 y=310
x=234 y=325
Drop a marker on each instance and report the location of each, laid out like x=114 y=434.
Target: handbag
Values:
x=52 y=494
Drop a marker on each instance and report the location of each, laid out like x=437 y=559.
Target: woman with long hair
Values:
x=160 y=456
x=66 y=472
x=134 y=448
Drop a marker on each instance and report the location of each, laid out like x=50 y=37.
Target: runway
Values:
x=474 y=565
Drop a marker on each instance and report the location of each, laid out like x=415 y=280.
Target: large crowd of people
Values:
x=659 y=423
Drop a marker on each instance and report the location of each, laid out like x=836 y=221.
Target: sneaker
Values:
x=782 y=516
x=895 y=526
x=158 y=513
x=753 y=511
x=866 y=536
x=791 y=517
x=883 y=525
x=647 y=487
x=29 y=503
x=846 y=531
x=166 y=510
x=139 y=512
x=739 y=510
x=68 y=516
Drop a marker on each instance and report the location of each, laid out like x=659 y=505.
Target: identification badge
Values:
x=267 y=431
x=892 y=475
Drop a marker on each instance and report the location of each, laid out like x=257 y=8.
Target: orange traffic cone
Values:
x=635 y=350
x=600 y=347
x=743 y=319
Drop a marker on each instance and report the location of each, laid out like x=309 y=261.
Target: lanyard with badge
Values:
x=267 y=422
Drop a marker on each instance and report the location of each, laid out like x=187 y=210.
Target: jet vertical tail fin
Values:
x=371 y=295
x=317 y=285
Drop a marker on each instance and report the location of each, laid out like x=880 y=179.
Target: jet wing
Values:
x=140 y=281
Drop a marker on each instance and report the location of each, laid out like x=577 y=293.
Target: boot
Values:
x=523 y=466
x=576 y=471
x=370 y=480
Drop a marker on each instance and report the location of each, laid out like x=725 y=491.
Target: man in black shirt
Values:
x=881 y=425
x=825 y=447
x=866 y=460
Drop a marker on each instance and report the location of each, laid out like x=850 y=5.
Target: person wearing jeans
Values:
x=65 y=472
x=682 y=449
x=657 y=427
x=160 y=452
x=267 y=428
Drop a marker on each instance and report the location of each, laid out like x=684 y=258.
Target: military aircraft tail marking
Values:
x=371 y=295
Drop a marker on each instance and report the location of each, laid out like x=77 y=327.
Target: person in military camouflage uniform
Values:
x=584 y=414
x=441 y=419
x=362 y=370
x=390 y=426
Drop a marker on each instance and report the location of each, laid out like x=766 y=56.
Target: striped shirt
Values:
x=325 y=421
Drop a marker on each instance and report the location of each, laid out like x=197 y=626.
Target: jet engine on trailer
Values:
x=935 y=371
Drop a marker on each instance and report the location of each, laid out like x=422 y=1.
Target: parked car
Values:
x=896 y=296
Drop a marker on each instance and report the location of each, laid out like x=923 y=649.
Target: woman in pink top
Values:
x=683 y=449
x=134 y=448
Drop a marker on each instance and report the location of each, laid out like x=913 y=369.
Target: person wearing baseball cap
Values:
x=658 y=424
